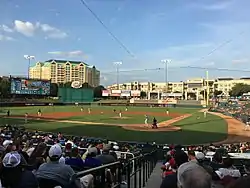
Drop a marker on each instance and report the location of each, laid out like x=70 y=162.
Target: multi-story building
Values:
x=191 y=88
x=63 y=71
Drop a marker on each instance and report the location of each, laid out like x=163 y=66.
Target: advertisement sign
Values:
x=167 y=101
x=116 y=92
x=125 y=93
x=135 y=93
x=76 y=85
x=105 y=93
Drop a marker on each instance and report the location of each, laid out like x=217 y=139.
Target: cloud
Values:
x=77 y=53
x=25 y=28
x=29 y=29
x=218 y=6
x=240 y=61
x=5 y=38
x=6 y=29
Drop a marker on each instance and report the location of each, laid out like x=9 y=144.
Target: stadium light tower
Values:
x=166 y=62
x=117 y=64
x=29 y=58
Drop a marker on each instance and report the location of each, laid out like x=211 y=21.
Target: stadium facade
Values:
x=63 y=71
x=184 y=88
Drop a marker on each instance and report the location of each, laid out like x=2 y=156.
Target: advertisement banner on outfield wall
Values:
x=167 y=101
x=135 y=93
x=116 y=91
x=105 y=93
x=115 y=94
x=125 y=93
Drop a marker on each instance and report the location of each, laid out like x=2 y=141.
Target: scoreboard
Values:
x=30 y=87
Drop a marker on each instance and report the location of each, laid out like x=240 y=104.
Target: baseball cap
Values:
x=55 y=151
x=200 y=156
x=11 y=160
x=6 y=143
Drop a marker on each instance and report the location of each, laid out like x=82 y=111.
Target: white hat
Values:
x=55 y=151
x=11 y=160
x=6 y=143
x=200 y=156
x=116 y=147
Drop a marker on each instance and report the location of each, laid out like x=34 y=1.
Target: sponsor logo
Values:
x=76 y=85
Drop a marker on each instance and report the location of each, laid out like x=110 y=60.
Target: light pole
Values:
x=166 y=62
x=117 y=64
x=29 y=58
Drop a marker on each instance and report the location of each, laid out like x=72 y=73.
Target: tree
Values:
x=86 y=85
x=5 y=88
x=143 y=94
x=216 y=93
x=239 y=89
x=53 y=90
x=98 y=91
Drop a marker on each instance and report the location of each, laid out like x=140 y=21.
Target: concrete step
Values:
x=155 y=178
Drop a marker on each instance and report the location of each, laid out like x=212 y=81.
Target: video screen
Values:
x=28 y=86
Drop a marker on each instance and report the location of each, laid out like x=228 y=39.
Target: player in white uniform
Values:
x=81 y=109
x=126 y=109
x=247 y=125
x=146 y=120
x=120 y=114
x=205 y=113
x=167 y=112
x=26 y=117
x=89 y=110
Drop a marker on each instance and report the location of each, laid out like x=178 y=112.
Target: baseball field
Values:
x=181 y=125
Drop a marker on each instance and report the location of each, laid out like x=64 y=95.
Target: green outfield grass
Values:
x=194 y=130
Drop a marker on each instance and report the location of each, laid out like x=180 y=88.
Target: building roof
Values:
x=65 y=61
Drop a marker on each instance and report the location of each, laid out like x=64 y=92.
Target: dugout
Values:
x=75 y=95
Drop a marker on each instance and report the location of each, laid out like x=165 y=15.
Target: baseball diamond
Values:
x=181 y=125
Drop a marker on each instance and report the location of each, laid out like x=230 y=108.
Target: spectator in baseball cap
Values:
x=53 y=170
x=13 y=174
x=170 y=181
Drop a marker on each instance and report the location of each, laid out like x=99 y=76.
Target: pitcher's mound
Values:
x=118 y=117
x=142 y=127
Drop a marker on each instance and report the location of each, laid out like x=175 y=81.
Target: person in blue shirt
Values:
x=75 y=161
x=91 y=161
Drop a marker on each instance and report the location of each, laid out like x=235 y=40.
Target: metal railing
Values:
x=133 y=173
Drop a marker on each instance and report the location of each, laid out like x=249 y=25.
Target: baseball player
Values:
x=126 y=109
x=39 y=113
x=247 y=124
x=205 y=113
x=89 y=110
x=120 y=114
x=167 y=112
x=26 y=117
x=82 y=109
x=146 y=120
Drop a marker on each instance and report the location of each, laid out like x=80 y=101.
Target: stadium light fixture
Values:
x=166 y=62
x=117 y=64
x=29 y=58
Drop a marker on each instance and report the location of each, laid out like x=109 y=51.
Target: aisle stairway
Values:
x=155 y=178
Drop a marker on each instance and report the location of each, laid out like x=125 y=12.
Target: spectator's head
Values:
x=217 y=157
x=191 y=155
x=68 y=147
x=11 y=171
x=200 y=156
x=92 y=152
x=107 y=148
x=55 y=152
x=228 y=162
x=75 y=152
x=180 y=157
x=192 y=175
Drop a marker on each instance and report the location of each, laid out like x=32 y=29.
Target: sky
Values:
x=204 y=33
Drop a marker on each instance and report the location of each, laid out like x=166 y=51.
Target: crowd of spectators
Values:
x=38 y=159
x=192 y=169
